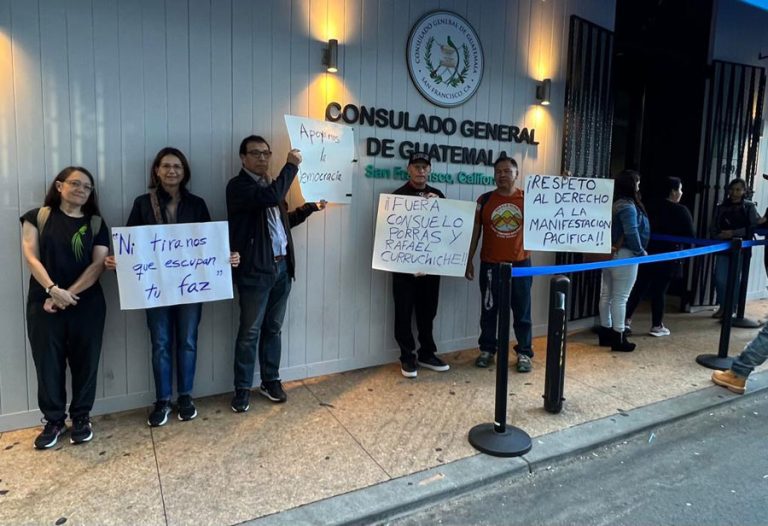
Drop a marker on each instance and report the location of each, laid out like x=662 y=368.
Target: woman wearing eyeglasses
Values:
x=172 y=329
x=64 y=243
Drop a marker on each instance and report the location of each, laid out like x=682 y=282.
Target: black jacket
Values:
x=740 y=217
x=247 y=204
x=191 y=209
x=407 y=189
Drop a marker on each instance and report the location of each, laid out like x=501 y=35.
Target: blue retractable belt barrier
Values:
x=754 y=243
x=653 y=258
x=498 y=439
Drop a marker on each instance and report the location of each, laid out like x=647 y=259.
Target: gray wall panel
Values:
x=107 y=83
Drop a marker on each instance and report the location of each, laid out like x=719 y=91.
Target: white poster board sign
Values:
x=568 y=214
x=416 y=234
x=328 y=154
x=161 y=265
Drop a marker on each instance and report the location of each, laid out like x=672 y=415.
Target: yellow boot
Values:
x=731 y=381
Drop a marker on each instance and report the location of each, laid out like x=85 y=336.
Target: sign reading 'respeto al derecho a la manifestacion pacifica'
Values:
x=161 y=265
x=328 y=154
x=568 y=214
x=445 y=58
x=418 y=234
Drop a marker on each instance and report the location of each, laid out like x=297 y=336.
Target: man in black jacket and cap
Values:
x=417 y=293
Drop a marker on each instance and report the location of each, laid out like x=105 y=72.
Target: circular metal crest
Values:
x=445 y=58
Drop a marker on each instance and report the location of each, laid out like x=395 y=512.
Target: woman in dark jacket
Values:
x=630 y=232
x=734 y=217
x=172 y=329
x=671 y=218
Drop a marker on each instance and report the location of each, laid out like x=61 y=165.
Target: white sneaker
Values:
x=659 y=331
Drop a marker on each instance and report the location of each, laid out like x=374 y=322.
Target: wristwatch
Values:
x=48 y=289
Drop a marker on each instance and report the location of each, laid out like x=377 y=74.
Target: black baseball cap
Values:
x=504 y=157
x=419 y=157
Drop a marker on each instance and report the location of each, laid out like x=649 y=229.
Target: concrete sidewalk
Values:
x=357 y=446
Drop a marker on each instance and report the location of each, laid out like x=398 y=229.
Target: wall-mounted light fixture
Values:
x=542 y=91
x=331 y=56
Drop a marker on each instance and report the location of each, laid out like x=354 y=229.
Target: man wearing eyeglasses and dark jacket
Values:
x=260 y=229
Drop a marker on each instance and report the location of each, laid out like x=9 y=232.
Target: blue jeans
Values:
x=754 y=354
x=262 y=310
x=174 y=328
x=490 y=286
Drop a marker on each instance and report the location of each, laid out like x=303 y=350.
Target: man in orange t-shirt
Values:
x=499 y=218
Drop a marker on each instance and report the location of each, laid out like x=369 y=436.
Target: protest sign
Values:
x=416 y=234
x=568 y=214
x=328 y=154
x=161 y=265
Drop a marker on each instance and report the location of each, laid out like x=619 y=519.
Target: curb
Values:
x=392 y=497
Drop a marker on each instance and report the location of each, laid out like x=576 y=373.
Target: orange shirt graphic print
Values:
x=506 y=220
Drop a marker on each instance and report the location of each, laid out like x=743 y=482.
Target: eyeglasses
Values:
x=77 y=185
x=176 y=167
x=264 y=154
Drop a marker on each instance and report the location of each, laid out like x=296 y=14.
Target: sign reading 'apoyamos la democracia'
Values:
x=445 y=58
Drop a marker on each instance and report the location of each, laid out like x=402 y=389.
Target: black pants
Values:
x=419 y=295
x=652 y=280
x=71 y=336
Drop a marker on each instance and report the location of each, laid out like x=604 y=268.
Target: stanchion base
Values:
x=513 y=442
x=713 y=361
x=745 y=323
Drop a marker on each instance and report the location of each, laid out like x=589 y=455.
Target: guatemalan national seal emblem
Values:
x=445 y=58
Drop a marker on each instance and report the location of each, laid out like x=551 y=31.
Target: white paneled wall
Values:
x=107 y=83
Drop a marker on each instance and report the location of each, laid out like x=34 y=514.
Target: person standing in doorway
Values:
x=736 y=216
x=417 y=293
x=260 y=230
x=671 y=218
x=499 y=221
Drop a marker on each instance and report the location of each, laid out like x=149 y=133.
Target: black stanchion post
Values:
x=498 y=439
x=740 y=321
x=556 y=343
x=721 y=360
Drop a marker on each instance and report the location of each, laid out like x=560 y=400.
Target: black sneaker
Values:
x=274 y=391
x=82 y=431
x=434 y=363
x=408 y=367
x=159 y=415
x=50 y=434
x=241 y=400
x=186 y=408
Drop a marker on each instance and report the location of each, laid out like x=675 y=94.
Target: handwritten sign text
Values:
x=416 y=234
x=160 y=265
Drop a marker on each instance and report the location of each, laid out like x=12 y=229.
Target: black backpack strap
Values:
x=482 y=200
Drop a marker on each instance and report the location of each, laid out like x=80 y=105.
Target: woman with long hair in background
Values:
x=630 y=232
